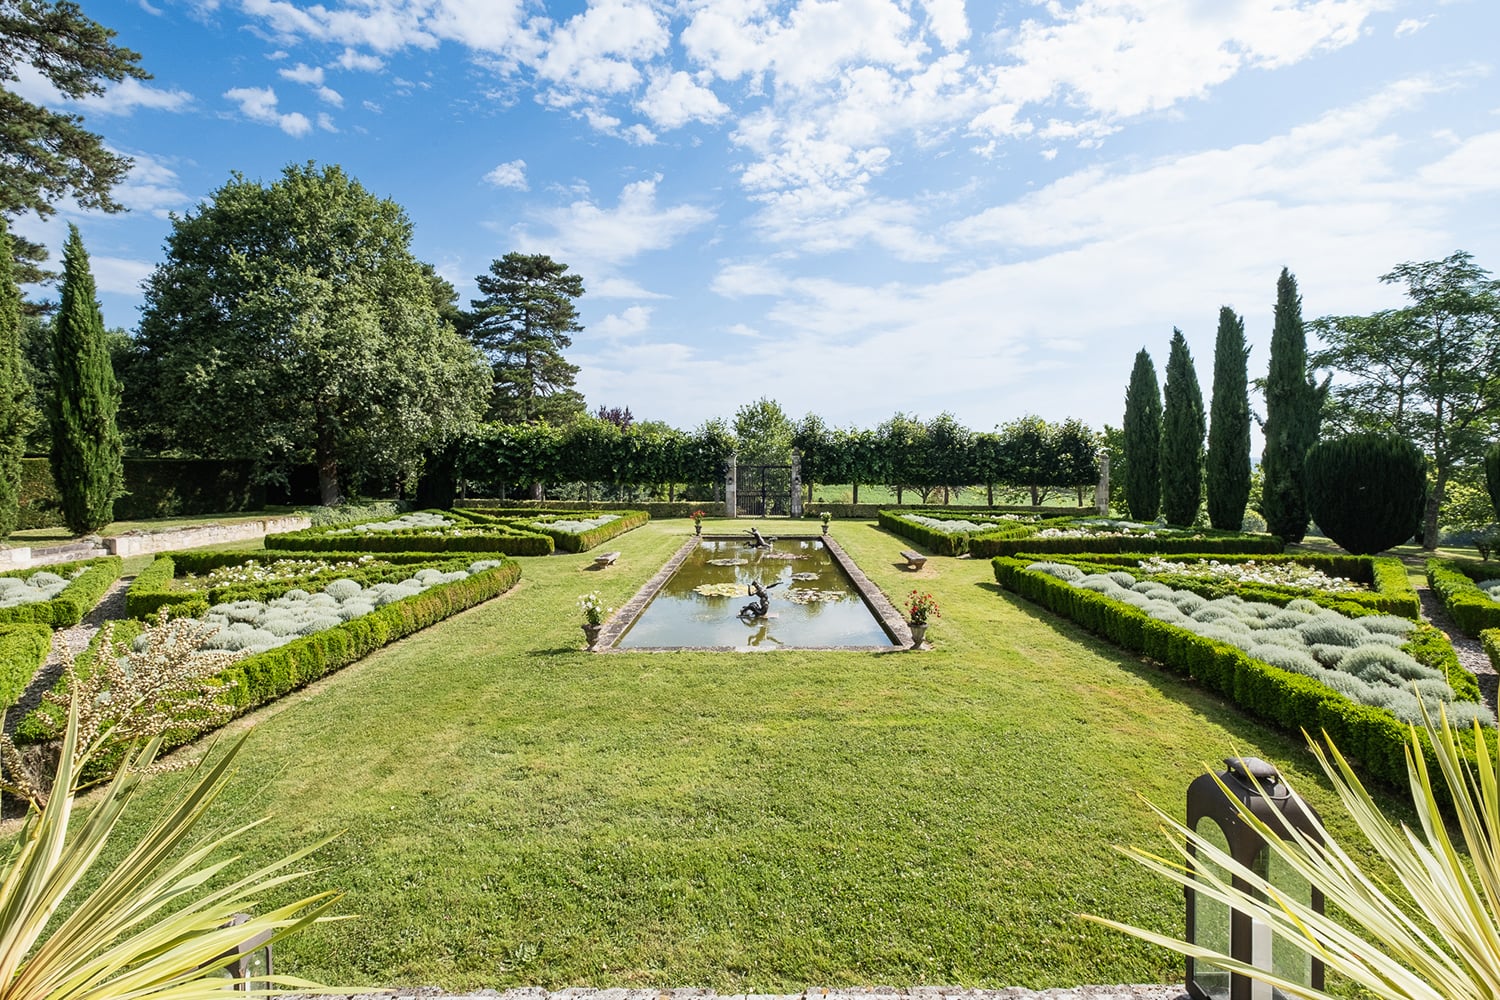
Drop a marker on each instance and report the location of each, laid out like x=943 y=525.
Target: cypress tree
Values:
x=1181 y=437
x=1229 y=426
x=1294 y=406
x=86 y=445
x=1142 y=431
x=15 y=394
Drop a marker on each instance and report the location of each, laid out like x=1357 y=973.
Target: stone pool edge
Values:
x=891 y=620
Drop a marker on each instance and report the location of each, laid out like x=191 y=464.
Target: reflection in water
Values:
x=700 y=604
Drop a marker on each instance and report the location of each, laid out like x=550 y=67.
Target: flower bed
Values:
x=1291 y=700
x=270 y=670
x=1092 y=534
x=422 y=531
x=570 y=531
x=1374 y=583
x=64 y=605
x=927 y=531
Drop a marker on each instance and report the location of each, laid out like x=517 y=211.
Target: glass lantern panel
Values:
x=1210 y=918
x=1287 y=960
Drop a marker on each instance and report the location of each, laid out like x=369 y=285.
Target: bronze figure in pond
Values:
x=759 y=607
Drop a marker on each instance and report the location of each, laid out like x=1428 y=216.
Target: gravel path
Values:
x=72 y=640
x=1470 y=651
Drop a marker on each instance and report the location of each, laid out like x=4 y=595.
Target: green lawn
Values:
x=515 y=811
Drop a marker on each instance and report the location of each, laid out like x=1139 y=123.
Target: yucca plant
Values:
x=1437 y=936
x=156 y=925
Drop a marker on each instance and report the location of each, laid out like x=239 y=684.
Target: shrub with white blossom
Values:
x=1275 y=574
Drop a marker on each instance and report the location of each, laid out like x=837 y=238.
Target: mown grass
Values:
x=516 y=811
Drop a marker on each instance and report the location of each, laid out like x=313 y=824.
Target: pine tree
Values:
x=1143 y=440
x=1229 y=426
x=86 y=445
x=15 y=393
x=1294 y=405
x=1181 y=437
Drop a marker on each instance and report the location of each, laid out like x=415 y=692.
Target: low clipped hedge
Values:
x=23 y=649
x=1392 y=593
x=264 y=677
x=152 y=588
x=499 y=538
x=76 y=599
x=566 y=541
x=1453 y=580
x=1289 y=701
x=658 y=509
x=1210 y=543
x=945 y=543
x=1490 y=639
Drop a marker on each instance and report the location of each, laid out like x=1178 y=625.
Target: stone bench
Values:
x=605 y=559
x=914 y=560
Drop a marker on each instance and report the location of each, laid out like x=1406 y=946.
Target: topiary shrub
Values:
x=1366 y=491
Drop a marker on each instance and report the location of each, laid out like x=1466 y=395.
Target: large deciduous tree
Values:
x=48 y=155
x=87 y=454
x=1294 y=404
x=1228 y=458
x=1429 y=372
x=522 y=324
x=1142 y=430
x=16 y=415
x=291 y=321
x=1181 y=437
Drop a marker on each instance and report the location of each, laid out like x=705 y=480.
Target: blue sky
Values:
x=853 y=207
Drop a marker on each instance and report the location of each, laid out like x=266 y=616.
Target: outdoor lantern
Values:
x=249 y=960
x=1212 y=924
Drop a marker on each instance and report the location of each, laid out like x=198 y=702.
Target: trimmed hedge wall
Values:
x=662 y=510
x=1289 y=701
x=152 y=588
x=1453 y=581
x=154 y=487
x=1248 y=545
x=264 y=677
x=1393 y=593
x=76 y=599
x=23 y=650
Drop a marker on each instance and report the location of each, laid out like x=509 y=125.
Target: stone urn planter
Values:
x=918 y=633
x=591 y=633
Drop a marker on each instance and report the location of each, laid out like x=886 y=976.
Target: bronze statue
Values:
x=759 y=607
x=759 y=541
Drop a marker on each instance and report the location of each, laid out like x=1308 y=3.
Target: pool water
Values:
x=813 y=603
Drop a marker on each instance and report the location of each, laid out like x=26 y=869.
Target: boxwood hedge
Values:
x=567 y=541
x=23 y=649
x=498 y=537
x=1453 y=580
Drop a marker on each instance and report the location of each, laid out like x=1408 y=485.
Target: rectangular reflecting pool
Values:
x=813 y=602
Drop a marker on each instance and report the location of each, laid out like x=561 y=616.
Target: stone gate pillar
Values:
x=1101 y=492
x=731 y=490
x=796 y=509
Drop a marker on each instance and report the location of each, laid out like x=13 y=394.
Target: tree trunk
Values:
x=945 y=496
x=538 y=491
x=1430 y=515
x=328 y=468
x=856 y=492
x=1036 y=501
x=989 y=493
x=898 y=496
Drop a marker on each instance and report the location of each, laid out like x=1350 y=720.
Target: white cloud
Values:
x=330 y=96
x=303 y=73
x=633 y=320
x=674 y=99
x=509 y=175
x=325 y=122
x=150 y=187
x=119 y=275
x=586 y=232
x=259 y=105
x=596 y=51
x=1411 y=25
x=616 y=287
x=361 y=61
x=129 y=94
x=947 y=22
x=736 y=281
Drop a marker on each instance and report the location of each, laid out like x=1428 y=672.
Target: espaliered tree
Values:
x=87 y=453
x=1294 y=404
x=1143 y=440
x=1228 y=459
x=1366 y=491
x=1181 y=437
x=15 y=393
